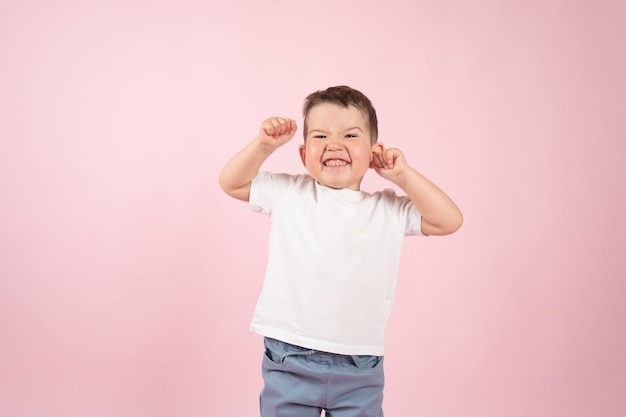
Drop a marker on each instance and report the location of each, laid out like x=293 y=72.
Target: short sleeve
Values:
x=405 y=211
x=267 y=190
x=413 y=218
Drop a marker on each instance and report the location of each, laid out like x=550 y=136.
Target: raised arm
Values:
x=440 y=215
x=239 y=172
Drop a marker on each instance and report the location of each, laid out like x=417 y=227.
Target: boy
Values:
x=333 y=254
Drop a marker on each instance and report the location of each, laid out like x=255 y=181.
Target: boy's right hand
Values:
x=276 y=131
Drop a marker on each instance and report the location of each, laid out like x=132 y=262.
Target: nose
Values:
x=334 y=143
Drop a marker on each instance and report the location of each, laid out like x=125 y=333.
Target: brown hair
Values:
x=343 y=96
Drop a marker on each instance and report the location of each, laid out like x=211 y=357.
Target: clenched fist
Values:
x=276 y=131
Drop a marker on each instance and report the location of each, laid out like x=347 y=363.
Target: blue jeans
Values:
x=301 y=382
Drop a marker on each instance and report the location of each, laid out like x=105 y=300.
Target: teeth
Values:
x=335 y=163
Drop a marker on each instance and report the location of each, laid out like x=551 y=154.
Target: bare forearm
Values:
x=239 y=172
x=241 y=169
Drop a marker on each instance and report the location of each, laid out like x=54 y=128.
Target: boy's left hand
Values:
x=389 y=163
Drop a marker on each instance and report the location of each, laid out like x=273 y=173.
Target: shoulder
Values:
x=400 y=206
x=270 y=189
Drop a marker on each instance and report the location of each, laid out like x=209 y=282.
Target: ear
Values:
x=302 y=150
x=377 y=148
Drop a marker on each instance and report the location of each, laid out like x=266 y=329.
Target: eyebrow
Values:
x=345 y=130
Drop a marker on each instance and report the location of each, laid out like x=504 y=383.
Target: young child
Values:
x=333 y=254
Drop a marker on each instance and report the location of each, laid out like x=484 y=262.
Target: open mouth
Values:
x=335 y=163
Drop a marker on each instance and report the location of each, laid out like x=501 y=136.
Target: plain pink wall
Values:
x=128 y=280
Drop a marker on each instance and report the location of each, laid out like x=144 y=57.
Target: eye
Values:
x=351 y=135
x=319 y=137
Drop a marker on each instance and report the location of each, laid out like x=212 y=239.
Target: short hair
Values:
x=343 y=96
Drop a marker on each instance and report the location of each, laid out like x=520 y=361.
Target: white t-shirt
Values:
x=332 y=265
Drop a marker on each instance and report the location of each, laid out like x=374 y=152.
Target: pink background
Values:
x=128 y=279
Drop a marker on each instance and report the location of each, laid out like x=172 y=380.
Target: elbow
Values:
x=449 y=228
x=238 y=192
x=455 y=224
x=224 y=184
x=443 y=228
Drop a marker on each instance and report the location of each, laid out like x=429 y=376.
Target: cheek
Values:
x=309 y=155
x=314 y=150
x=362 y=154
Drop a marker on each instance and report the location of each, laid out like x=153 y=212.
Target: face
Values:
x=338 y=148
